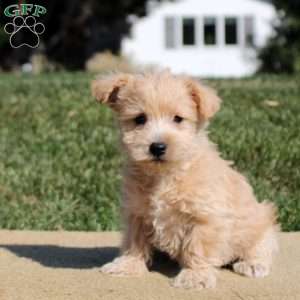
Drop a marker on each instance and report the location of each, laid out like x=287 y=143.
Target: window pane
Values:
x=188 y=31
x=230 y=31
x=249 y=31
x=209 y=31
x=170 y=32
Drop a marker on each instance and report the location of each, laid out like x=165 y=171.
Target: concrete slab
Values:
x=65 y=265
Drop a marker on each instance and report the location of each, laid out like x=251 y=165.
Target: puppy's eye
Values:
x=178 y=119
x=140 y=119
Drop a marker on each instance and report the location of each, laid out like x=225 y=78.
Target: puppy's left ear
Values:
x=206 y=99
x=106 y=89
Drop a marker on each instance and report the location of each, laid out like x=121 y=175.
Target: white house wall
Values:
x=147 y=45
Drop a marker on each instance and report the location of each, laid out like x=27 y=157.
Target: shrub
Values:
x=105 y=61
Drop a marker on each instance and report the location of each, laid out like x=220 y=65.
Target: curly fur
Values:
x=192 y=204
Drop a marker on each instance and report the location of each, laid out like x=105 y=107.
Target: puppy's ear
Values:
x=106 y=89
x=206 y=99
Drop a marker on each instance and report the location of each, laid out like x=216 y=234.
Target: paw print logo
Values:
x=24 y=32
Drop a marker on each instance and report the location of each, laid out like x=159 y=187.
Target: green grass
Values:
x=59 y=156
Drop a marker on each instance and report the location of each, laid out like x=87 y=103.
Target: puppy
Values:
x=179 y=195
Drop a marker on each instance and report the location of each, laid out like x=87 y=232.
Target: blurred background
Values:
x=59 y=150
x=81 y=34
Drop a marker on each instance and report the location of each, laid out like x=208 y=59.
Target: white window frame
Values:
x=243 y=32
x=217 y=31
x=238 y=31
x=165 y=37
x=196 y=30
x=199 y=31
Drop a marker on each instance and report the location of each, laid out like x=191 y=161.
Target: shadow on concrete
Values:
x=84 y=258
x=163 y=264
x=65 y=257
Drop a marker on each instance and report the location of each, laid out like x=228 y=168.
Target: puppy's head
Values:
x=160 y=115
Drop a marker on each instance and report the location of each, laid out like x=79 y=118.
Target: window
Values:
x=188 y=31
x=231 y=31
x=249 y=31
x=170 y=32
x=210 y=31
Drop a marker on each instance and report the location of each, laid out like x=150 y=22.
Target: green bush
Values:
x=283 y=49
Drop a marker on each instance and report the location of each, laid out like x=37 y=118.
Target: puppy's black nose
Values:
x=158 y=149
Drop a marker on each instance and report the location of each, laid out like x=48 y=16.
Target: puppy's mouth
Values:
x=158 y=160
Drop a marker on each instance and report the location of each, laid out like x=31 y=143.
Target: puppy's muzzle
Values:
x=158 y=149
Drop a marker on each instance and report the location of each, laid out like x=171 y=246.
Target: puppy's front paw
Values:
x=125 y=266
x=251 y=269
x=195 y=279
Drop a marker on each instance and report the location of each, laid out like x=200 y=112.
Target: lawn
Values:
x=60 y=161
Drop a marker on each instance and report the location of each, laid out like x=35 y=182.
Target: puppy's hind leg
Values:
x=257 y=261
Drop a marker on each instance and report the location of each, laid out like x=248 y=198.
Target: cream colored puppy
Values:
x=179 y=195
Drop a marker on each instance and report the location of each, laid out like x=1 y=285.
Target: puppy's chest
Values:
x=169 y=226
